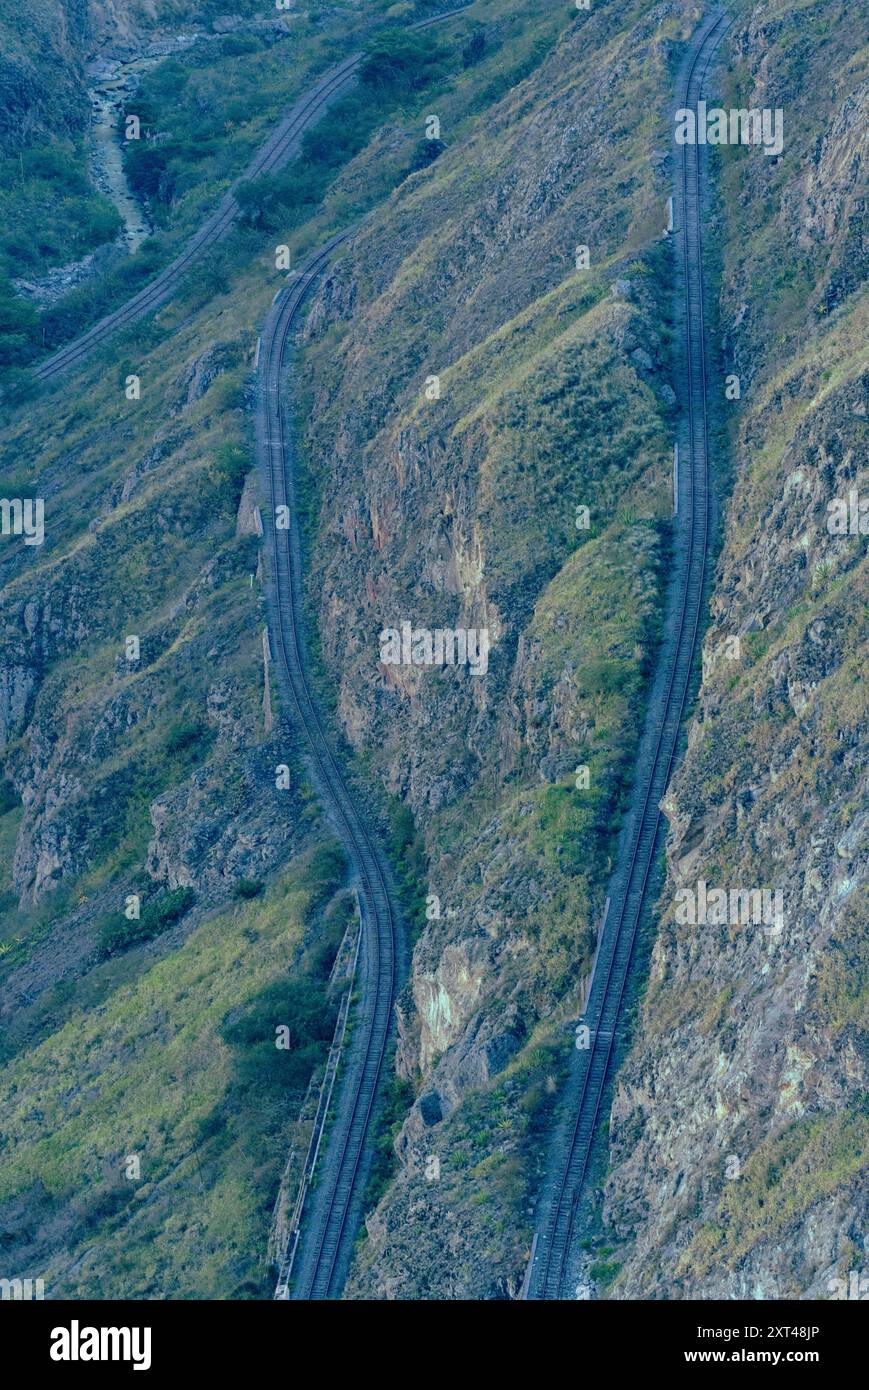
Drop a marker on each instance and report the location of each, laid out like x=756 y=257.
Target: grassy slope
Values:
x=177 y=1068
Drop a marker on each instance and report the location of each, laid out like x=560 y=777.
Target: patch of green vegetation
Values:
x=397 y=1099
x=264 y=1073
x=326 y=873
x=400 y=62
x=50 y=212
x=117 y=933
x=247 y=888
x=582 y=429
x=511 y=76
x=407 y=857
x=10 y=822
x=483 y=1151
x=9 y=799
x=180 y=1068
x=604 y=1272
x=785 y=1175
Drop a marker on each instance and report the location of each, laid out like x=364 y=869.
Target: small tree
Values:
x=474 y=49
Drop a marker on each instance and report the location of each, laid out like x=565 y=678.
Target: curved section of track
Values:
x=282 y=145
x=550 y=1268
x=330 y=1225
x=329 y=1228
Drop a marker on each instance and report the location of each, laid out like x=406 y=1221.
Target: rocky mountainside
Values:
x=41 y=70
x=458 y=511
x=524 y=270
x=739 y=1133
x=485 y=408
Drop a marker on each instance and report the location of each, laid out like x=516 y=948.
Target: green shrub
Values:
x=399 y=62
x=278 y=200
x=320 y=955
x=227 y=393
x=146 y=165
x=232 y=463
x=603 y=1272
x=247 y=888
x=426 y=152
x=8 y=797
x=397 y=1102
x=183 y=735
x=408 y=858
x=208 y=278
x=607 y=677
x=261 y=1068
x=326 y=872
x=117 y=933
x=474 y=50
x=16 y=315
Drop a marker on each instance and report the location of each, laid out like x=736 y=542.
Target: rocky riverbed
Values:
x=114 y=72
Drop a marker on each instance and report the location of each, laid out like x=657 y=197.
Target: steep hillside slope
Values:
x=458 y=503
x=141 y=745
x=171 y=896
x=146 y=769
x=739 y=1134
x=485 y=410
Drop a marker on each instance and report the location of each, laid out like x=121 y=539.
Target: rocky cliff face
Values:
x=490 y=359
x=739 y=1130
x=41 y=71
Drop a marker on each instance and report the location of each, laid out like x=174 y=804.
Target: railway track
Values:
x=549 y=1270
x=335 y=1208
x=281 y=146
x=330 y=1229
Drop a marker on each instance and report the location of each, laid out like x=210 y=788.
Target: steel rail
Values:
x=328 y=1237
x=343 y=1164
x=631 y=881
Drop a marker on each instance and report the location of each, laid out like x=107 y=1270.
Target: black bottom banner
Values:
x=166 y=1339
